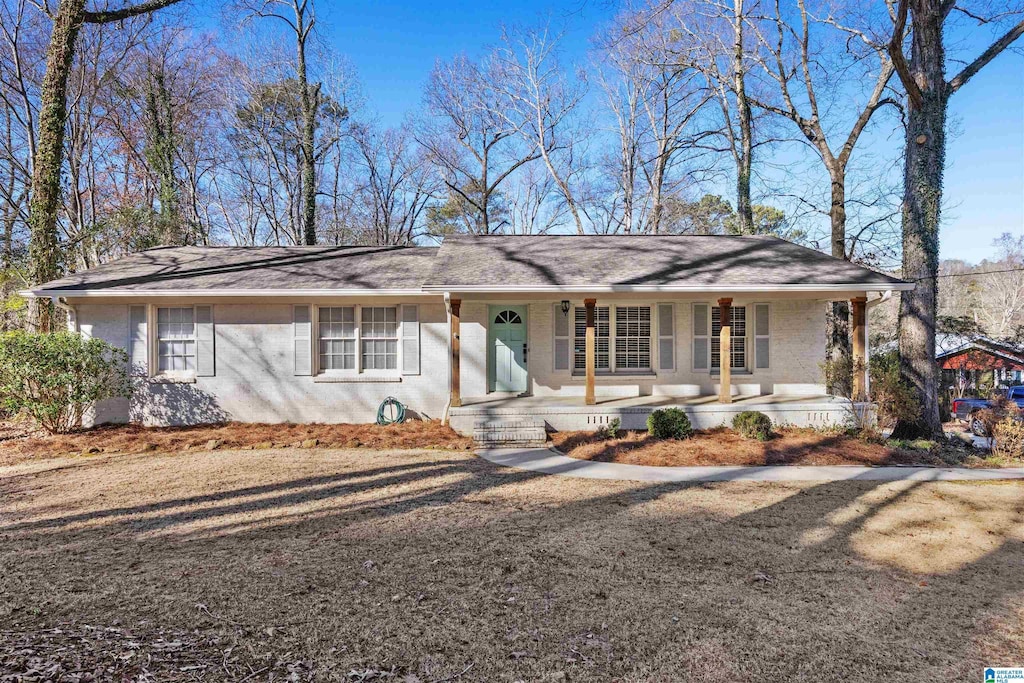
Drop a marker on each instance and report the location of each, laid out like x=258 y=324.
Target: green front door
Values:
x=508 y=348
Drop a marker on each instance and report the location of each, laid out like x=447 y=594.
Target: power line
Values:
x=987 y=272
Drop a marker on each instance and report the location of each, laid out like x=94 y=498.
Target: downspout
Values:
x=448 y=346
x=62 y=304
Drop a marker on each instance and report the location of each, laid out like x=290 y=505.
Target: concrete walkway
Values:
x=548 y=461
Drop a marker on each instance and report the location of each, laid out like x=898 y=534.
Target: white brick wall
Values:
x=255 y=380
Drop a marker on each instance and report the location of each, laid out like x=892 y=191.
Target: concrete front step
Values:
x=521 y=433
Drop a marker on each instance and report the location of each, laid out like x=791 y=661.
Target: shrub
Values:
x=610 y=430
x=999 y=409
x=753 y=425
x=669 y=423
x=54 y=377
x=894 y=399
x=1008 y=437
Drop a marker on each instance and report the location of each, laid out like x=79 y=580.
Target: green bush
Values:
x=669 y=423
x=753 y=425
x=610 y=430
x=55 y=377
x=894 y=399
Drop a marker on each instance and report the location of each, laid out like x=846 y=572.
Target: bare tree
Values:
x=539 y=101
x=44 y=250
x=466 y=135
x=928 y=93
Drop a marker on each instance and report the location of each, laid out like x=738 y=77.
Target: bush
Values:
x=610 y=430
x=894 y=399
x=753 y=425
x=669 y=423
x=54 y=377
x=999 y=409
x=1008 y=437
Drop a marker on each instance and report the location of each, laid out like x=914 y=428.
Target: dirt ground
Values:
x=19 y=440
x=786 y=447
x=361 y=565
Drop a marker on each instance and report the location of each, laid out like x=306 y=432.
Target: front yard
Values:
x=364 y=565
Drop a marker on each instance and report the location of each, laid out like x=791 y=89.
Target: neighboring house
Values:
x=571 y=330
x=971 y=364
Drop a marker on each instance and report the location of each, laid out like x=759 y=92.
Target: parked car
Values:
x=966 y=409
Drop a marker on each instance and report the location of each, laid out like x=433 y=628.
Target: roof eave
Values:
x=165 y=293
x=843 y=287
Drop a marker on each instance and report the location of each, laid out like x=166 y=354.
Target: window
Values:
x=602 y=334
x=338 y=338
x=380 y=338
x=633 y=337
x=737 y=338
x=176 y=339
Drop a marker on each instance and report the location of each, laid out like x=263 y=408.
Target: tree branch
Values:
x=987 y=56
x=899 y=61
x=107 y=16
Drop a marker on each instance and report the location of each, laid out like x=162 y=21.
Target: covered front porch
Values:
x=568 y=413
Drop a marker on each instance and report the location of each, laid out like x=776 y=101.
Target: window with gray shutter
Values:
x=701 y=343
x=138 y=340
x=205 y=359
x=302 y=333
x=561 y=346
x=410 y=339
x=762 y=335
x=666 y=337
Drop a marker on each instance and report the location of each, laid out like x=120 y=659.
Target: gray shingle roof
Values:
x=641 y=261
x=468 y=262
x=257 y=268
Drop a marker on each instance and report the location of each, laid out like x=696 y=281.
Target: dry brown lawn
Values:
x=788 y=446
x=20 y=441
x=438 y=566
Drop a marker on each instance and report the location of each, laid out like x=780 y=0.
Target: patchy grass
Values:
x=18 y=441
x=788 y=446
x=361 y=565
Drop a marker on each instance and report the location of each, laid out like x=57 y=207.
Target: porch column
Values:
x=858 y=308
x=590 y=350
x=456 y=396
x=725 y=351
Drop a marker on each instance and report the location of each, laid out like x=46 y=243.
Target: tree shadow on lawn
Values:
x=845 y=580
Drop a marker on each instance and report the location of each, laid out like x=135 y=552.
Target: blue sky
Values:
x=393 y=46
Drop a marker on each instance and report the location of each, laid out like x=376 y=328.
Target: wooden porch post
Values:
x=725 y=351
x=860 y=344
x=590 y=350
x=456 y=396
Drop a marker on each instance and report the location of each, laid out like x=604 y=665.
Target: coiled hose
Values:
x=391 y=411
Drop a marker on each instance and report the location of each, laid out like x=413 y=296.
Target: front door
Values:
x=508 y=348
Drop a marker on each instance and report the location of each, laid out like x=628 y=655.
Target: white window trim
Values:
x=153 y=333
x=749 y=368
x=358 y=371
x=613 y=370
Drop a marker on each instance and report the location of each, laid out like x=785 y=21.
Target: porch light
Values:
x=565 y=307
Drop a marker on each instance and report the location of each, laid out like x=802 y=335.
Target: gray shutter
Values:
x=205 y=355
x=761 y=336
x=561 y=328
x=666 y=337
x=302 y=331
x=410 y=339
x=138 y=341
x=701 y=345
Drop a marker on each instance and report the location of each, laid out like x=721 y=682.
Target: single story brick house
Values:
x=570 y=330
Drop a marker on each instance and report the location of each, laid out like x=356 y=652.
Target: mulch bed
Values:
x=19 y=441
x=790 y=446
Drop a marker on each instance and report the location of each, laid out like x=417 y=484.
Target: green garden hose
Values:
x=391 y=411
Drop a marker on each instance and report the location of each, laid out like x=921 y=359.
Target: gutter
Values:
x=192 y=293
x=702 y=288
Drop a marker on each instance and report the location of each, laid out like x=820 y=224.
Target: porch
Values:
x=567 y=413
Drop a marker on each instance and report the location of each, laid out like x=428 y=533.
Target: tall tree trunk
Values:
x=44 y=257
x=922 y=198
x=840 y=347
x=310 y=104
x=744 y=207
